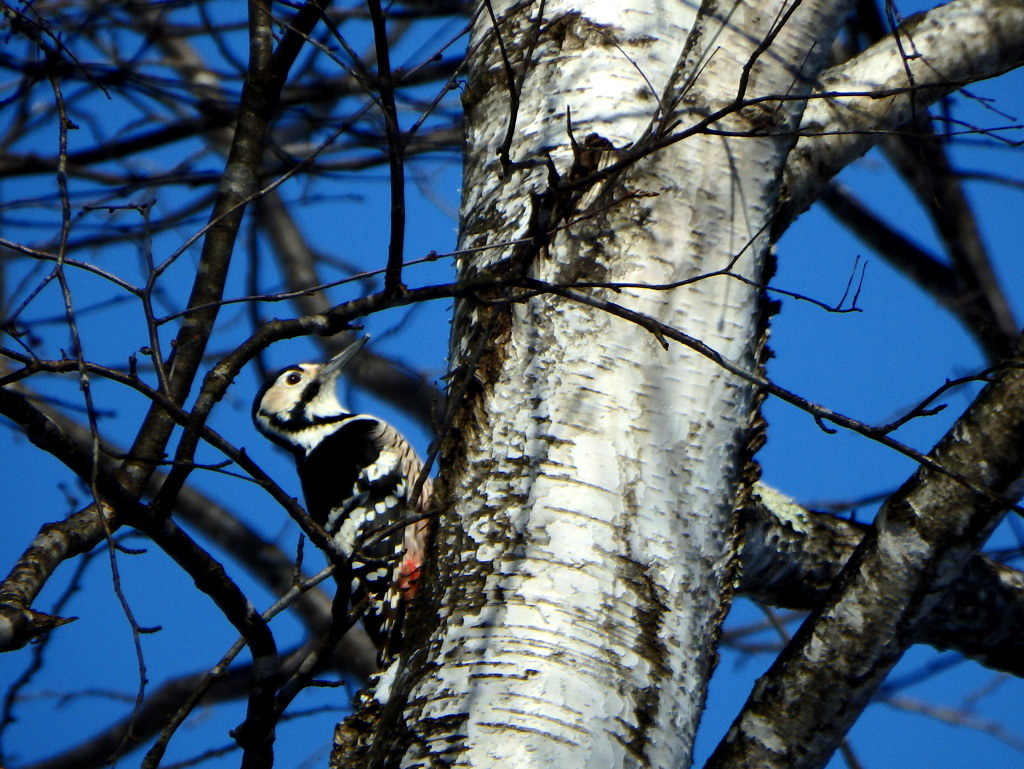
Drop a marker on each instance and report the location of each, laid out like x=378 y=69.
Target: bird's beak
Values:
x=334 y=366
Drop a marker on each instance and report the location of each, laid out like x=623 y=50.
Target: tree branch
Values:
x=923 y=538
x=792 y=556
x=266 y=77
x=958 y=43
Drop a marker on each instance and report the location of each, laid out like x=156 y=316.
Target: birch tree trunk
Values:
x=588 y=544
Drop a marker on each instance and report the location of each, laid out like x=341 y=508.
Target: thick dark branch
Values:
x=922 y=160
x=396 y=148
x=214 y=116
x=266 y=77
x=23 y=165
x=134 y=730
x=209 y=576
x=900 y=251
x=922 y=540
x=56 y=541
x=20 y=587
x=791 y=557
x=128 y=733
x=968 y=289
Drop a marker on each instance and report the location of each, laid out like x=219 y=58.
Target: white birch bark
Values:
x=589 y=552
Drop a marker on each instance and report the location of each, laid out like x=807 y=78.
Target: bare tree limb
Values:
x=922 y=539
x=957 y=43
x=791 y=558
x=922 y=160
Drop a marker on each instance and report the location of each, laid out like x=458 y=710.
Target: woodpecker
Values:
x=358 y=476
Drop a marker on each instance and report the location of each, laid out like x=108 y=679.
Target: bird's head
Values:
x=301 y=398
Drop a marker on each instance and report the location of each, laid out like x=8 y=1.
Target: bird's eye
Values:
x=293 y=378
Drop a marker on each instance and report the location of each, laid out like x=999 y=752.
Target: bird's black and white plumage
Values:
x=358 y=475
